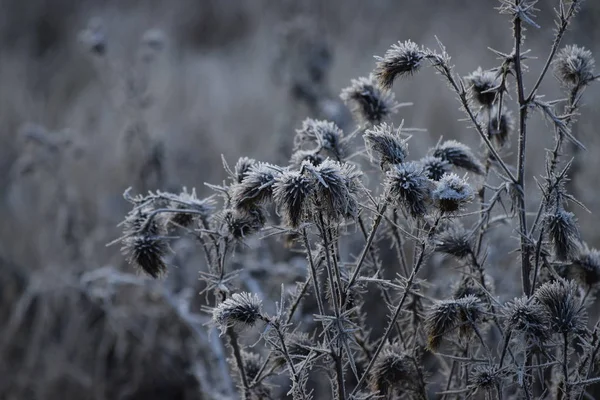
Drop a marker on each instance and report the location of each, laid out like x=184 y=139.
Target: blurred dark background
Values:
x=100 y=95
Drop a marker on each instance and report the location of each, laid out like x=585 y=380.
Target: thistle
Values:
x=408 y=186
x=482 y=86
x=394 y=372
x=240 y=310
x=387 y=144
x=451 y=193
x=561 y=301
x=574 y=66
x=434 y=167
x=458 y=155
x=500 y=131
x=242 y=168
x=586 y=267
x=326 y=135
x=528 y=316
x=402 y=59
x=146 y=254
x=563 y=233
x=256 y=187
x=189 y=201
x=291 y=193
x=367 y=101
x=448 y=315
x=454 y=240
x=243 y=223
x=300 y=156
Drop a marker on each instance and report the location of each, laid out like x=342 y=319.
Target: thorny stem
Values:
x=565 y=365
x=365 y=251
x=397 y=311
x=520 y=182
x=233 y=341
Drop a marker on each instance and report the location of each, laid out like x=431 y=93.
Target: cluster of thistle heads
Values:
x=322 y=187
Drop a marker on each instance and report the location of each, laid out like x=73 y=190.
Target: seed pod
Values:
x=574 y=66
x=367 y=101
x=240 y=310
x=481 y=87
x=291 y=193
x=451 y=193
x=434 y=167
x=458 y=155
x=563 y=233
x=387 y=144
x=402 y=59
x=256 y=187
x=562 y=302
x=146 y=254
x=529 y=317
x=408 y=187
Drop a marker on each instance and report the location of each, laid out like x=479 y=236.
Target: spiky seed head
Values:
x=240 y=310
x=562 y=302
x=486 y=377
x=454 y=240
x=574 y=66
x=256 y=187
x=500 y=131
x=367 y=101
x=300 y=156
x=242 y=168
x=529 y=317
x=137 y=223
x=458 y=155
x=434 y=167
x=401 y=59
x=445 y=316
x=325 y=134
x=562 y=230
x=189 y=201
x=451 y=193
x=585 y=268
x=386 y=142
x=243 y=223
x=146 y=254
x=336 y=188
x=481 y=87
x=393 y=371
x=291 y=193
x=408 y=187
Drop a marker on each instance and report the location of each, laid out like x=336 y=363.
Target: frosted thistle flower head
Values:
x=562 y=302
x=451 y=193
x=562 y=230
x=240 y=310
x=586 y=267
x=574 y=66
x=325 y=134
x=499 y=130
x=384 y=141
x=393 y=372
x=529 y=317
x=300 y=156
x=188 y=201
x=291 y=193
x=486 y=378
x=401 y=59
x=256 y=187
x=453 y=239
x=336 y=187
x=481 y=86
x=241 y=223
x=458 y=155
x=367 y=101
x=242 y=168
x=137 y=223
x=434 y=167
x=445 y=316
x=408 y=186
x=145 y=253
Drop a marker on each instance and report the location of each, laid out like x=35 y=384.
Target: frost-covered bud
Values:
x=393 y=372
x=451 y=193
x=481 y=86
x=563 y=304
x=486 y=378
x=336 y=188
x=458 y=155
x=367 y=101
x=585 y=268
x=529 y=317
x=188 y=201
x=445 y=316
x=408 y=186
x=387 y=144
x=300 y=156
x=256 y=187
x=291 y=193
x=240 y=310
x=242 y=223
x=401 y=59
x=563 y=233
x=454 y=240
x=435 y=167
x=146 y=253
x=499 y=132
x=242 y=168
x=325 y=135
x=574 y=66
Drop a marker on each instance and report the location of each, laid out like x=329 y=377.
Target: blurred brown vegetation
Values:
x=77 y=129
